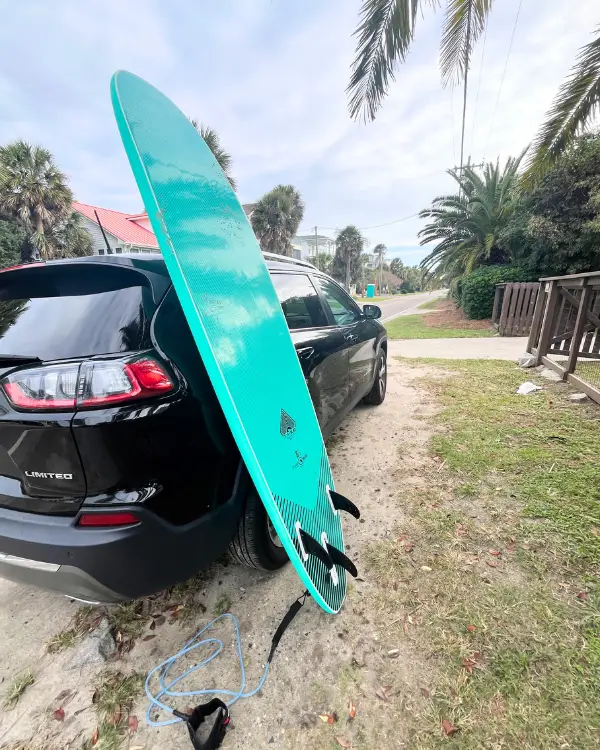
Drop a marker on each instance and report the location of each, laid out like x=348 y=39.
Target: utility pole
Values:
x=380 y=272
x=467 y=63
x=317 y=249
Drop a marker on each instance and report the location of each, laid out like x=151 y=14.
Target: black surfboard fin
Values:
x=339 y=558
x=342 y=503
x=314 y=548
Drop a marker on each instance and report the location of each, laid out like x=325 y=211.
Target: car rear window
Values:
x=59 y=313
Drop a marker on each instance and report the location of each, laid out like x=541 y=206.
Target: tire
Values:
x=377 y=393
x=255 y=543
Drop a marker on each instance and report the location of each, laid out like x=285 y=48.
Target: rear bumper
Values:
x=111 y=565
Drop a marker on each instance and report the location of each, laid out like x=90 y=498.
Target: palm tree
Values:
x=380 y=250
x=349 y=245
x=212 y=140
x=467 y=225
x=34 y=191
x=70 y=238
x=276 y=218
x=573 y=109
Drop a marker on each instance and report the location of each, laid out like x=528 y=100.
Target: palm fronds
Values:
x=385 y=32
x=466 y=225
x=573 y=108
x=464 y=20
x=212 y=140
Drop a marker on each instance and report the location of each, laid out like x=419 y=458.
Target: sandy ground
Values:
x=495 y=347
x=323 y=662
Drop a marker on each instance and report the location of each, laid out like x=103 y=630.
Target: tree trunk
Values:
x=39 y=228
x=348 y=262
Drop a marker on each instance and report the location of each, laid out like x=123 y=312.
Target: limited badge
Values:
x=287 y=426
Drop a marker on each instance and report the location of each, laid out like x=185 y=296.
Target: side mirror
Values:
x=372 y=312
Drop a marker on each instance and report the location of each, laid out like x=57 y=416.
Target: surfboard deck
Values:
x=227 y=296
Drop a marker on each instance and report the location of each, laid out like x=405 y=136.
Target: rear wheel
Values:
x=376 y=395
x=256 y=543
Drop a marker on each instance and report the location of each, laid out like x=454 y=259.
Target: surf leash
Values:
x=195 y=718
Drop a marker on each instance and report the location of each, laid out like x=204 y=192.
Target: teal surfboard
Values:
x=226 y=293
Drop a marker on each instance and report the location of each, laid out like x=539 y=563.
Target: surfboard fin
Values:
x=342 y=503
x=314 y=548
x=330 y=556
x=339 y=558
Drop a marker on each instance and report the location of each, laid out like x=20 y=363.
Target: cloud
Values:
x=270 y=75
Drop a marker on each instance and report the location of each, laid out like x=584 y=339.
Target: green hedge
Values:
x=478 y=288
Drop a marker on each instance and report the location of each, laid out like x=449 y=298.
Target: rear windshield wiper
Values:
x=20 y=359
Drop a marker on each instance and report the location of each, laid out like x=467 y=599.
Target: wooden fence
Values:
x=514 y=305
x=565 y=331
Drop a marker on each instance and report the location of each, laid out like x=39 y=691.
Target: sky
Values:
x=270 y=77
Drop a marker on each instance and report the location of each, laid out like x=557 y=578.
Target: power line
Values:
x=478 y=87
x=377 y=226
x=512 y=38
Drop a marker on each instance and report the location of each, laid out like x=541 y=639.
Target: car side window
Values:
x=299 y=301
x=341 y=305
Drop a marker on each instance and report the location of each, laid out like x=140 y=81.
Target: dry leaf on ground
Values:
x=351 y=711
x=343 y=742
x=449 y=728
x=59 y=714
x=132 y=723
x=95 y=736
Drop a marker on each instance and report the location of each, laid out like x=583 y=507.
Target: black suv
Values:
x=119 y=475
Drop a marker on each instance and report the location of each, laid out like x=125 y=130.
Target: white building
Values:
x=303 y=246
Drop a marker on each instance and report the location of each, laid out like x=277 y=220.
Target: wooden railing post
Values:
x=540 y=306
x=546 y=330
x=580 y=322
x=496 y=304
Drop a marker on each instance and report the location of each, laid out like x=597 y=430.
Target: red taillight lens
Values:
x=47 y=388
x=93 y=383
x=97 y=520
x=115 y=381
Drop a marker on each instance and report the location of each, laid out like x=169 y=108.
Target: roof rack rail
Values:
x=287 y=259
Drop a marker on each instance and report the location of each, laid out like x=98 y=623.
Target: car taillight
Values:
x=101 y=383
x=99 y=520
x=49 y=388
x=115 y=381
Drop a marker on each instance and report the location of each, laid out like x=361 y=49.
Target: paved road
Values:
x=401 y=304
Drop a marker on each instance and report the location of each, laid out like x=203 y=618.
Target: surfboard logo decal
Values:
x=301 y=459
x=287 y=425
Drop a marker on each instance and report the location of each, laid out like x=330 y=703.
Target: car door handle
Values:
x=306 y=352
x=351 y=337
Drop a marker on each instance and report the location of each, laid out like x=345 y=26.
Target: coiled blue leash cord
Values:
x=166 y=683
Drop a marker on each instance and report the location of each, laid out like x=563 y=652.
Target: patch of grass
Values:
x=222 y=605
x=117 y=692
x=113 y=699
x=186 y=593
x=17 y=687
x=414 y=327
x=499 y=586
x=80 y=624
x=431 y=304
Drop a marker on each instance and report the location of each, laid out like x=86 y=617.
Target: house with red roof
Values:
x=125 y=233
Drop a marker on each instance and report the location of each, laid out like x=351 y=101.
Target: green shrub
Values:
x=478 y=288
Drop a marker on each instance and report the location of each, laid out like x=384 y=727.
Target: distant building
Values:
x=303 y=246
x=126 y=233
x=372 y=261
